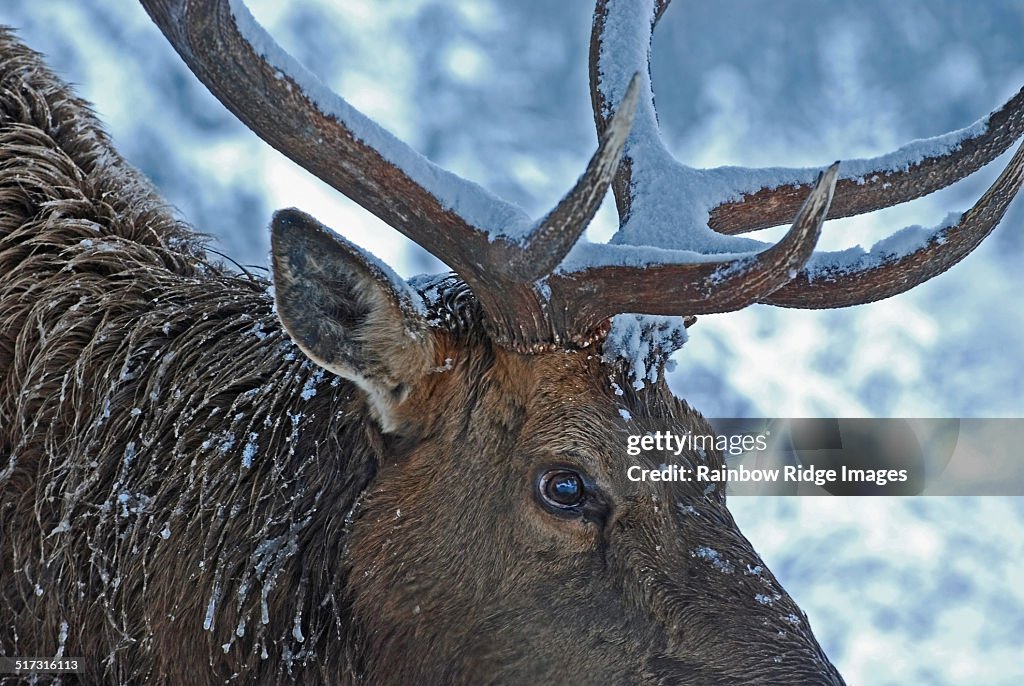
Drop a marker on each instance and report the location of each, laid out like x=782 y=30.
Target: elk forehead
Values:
x=579 y=407
x=593 y=401
x=573 y=407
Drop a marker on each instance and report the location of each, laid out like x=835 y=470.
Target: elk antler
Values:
x=829 y=279
x=539 y=285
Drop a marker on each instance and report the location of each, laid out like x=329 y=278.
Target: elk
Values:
x=350 y=478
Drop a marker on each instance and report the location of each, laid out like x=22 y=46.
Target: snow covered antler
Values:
x=769 y=197
x=541 y=286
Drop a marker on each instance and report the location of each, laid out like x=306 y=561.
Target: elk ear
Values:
x=348 y=312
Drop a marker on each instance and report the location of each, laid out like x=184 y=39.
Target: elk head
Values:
x=501 y=540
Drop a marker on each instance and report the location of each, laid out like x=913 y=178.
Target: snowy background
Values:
x=925 y=591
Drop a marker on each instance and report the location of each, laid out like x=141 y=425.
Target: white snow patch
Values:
x=643 y=343
x=62 y=639
x=211 y=607
x=64 y=526
x=249 y=450
x=714 y=557
x=309 y=389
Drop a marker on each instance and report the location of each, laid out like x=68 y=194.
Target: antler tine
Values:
x=559 y=231
x=875 y=184
x=603 y=110
x=600 y=292
x=827 y=283
x=621 y=31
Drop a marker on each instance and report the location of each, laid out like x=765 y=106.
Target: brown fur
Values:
x=137 y=380
x=133 y=376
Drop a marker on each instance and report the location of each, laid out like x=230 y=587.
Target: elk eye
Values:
x=562 y=488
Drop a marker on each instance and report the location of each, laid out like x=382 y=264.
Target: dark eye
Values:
x=562 y=488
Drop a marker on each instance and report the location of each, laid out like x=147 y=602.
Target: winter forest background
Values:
x=925 y=590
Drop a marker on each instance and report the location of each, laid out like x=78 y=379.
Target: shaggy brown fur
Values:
x=156 y=426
